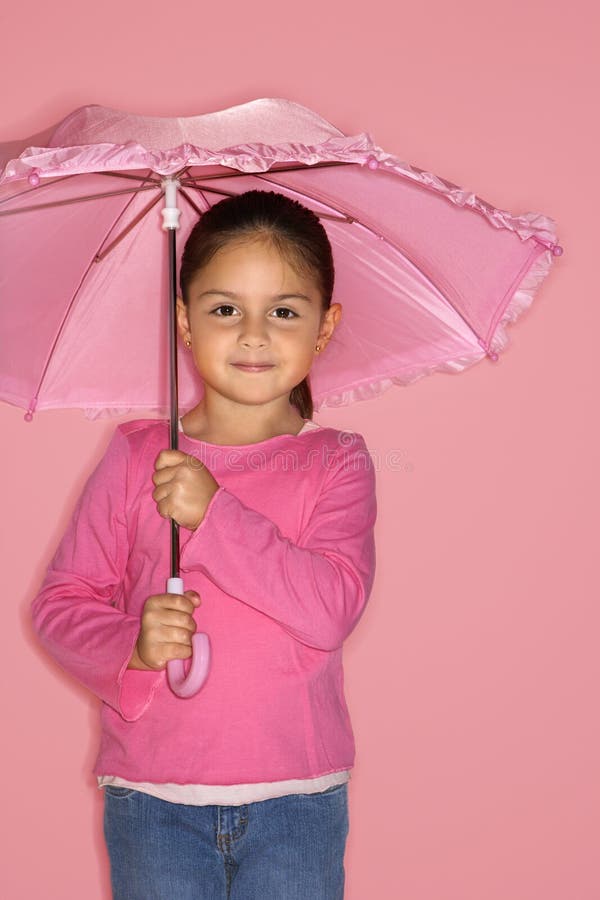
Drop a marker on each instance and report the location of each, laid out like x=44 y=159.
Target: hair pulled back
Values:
x=292 y=228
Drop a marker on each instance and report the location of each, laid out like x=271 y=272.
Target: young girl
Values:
x=240 y=791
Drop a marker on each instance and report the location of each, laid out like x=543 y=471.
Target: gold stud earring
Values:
x=317 y=348
x=188 y=343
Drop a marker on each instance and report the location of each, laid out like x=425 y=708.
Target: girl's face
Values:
x=249 y=307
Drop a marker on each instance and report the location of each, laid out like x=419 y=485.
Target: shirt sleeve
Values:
x=74 y=613
x=315 y=588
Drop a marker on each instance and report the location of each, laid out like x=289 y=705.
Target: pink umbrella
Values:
x=429 y=274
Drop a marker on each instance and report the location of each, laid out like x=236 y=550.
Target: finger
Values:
x=158 y=602
x=164 y=509
x=162 y=476
x=172 y=618
x=168 y=458
x=164 y=505
x=181 y=602
x=194 y=596
x=161 y=492
x=158 y=656
x=176 y=651
x=163 y=513
x=174 y=635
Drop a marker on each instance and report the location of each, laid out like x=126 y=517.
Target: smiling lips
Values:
x=252 y=367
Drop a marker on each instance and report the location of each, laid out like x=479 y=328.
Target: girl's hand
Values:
x=166 y=630
x=184 y=487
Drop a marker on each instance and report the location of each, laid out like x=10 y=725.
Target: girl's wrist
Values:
x=213 y=491
x=136 y=661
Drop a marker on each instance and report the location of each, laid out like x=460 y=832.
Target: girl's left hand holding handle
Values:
x=166 y=630
x=184 y=487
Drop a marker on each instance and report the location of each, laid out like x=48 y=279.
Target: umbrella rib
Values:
x=203 y=187
x=56 y=180
x=204 y=197
x=46 y=183
x=187 y=197
x=342 y=215
x=100 y=256
x=66 y=202
x=146 y=178
x=206 y=187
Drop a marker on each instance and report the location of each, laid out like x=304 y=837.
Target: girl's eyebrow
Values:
x=233 y=296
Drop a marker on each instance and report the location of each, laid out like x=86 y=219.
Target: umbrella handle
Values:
x=187 y=683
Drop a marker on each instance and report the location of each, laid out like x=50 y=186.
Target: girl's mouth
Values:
x=248 y=368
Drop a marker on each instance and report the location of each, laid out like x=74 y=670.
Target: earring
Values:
x=188 y=343
x=317 y=348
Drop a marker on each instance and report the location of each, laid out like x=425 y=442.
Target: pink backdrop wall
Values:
x=472 y=679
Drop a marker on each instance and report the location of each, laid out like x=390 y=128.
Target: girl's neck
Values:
x=198 y=425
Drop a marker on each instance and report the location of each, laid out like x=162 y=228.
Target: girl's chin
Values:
x=252 y=393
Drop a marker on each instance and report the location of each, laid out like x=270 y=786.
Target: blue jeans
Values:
x=285 y=848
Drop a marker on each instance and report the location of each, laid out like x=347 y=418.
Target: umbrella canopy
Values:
x=428 y=274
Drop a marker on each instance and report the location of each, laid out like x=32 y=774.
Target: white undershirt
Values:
x=229 y=794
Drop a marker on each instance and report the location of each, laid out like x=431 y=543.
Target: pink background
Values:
x=472 y=679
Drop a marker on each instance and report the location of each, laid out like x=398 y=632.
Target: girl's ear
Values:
x=183 y=323
x=329 y=322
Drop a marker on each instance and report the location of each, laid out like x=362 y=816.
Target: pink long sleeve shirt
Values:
x=283 y=560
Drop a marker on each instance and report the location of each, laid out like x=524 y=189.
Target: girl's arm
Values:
x=74 y=613
x=316 y=588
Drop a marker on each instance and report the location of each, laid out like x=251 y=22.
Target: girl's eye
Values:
x=280 y=309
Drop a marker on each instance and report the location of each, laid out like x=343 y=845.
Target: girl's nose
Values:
x=254 y=335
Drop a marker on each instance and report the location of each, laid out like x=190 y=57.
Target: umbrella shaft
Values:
x=174 y=549
x=174 y=423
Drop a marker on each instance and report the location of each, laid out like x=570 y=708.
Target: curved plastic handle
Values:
x=187 y=682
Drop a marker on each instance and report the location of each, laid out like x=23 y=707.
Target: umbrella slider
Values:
x=170 y=213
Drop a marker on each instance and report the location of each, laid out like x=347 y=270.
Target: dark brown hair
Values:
x=293 y=229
